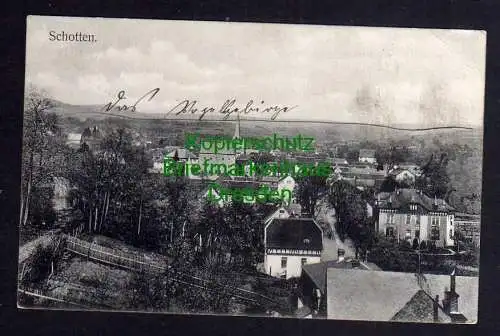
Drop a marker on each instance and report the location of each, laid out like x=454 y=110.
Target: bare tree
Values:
x=40 y=127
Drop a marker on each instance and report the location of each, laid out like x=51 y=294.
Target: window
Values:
x=389 y=231
x=283 y=262
x=434 y=228
x=408 y=219
x=418 y=221
x=417 y=234
x=408 y=234
x=303 y=261
x=390 y=218
x=451 y=234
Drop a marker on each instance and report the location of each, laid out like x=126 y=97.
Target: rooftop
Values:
x=294 y=233
x=401 y=199
x=317 y=272
x=396 y=296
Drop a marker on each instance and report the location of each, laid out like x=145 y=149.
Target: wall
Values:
x=400 y=227
x=294 y=266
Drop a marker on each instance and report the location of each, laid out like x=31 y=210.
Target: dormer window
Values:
x=307 y=241
x=413 y=207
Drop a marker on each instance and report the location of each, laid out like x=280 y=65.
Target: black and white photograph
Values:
x=252 y=169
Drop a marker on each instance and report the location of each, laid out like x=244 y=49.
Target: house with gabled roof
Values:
x=401 y=297
x=293 y=210
x=312 y=282
x=409 y=214
x=290 y=243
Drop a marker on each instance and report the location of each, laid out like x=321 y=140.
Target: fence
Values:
x=135 y=263
x=43 y=295
x=112 y=257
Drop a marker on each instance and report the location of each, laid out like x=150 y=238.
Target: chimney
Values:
x=340 y=255
x=450 y=302
x=452 y=281
x=435 y=309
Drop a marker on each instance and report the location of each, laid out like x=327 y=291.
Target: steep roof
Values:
x=420 y=308
x=317 y=272
x=386 y=296
x=294 y=233
x=401 y=199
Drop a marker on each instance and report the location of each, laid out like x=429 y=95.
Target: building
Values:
x=361 y=177
x=91 y=136
x=223 y=156
x=312 y=283
x=409 y=214
x=339 y=161
x=411 y=167
x=293 y=210
x=290 y=243
x=403 y=176
x=469 y=226
x=367 y=155
x=73 y=140
x=287 y=182
x=401 y=297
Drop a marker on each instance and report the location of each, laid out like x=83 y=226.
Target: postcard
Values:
x=252 y=169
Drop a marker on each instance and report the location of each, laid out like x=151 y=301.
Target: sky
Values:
x=387 y=76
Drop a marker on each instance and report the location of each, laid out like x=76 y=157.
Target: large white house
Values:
x=290 y=243
x=409 y=214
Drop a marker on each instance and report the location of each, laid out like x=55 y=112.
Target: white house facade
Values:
x=290 y=243
x=408 y=214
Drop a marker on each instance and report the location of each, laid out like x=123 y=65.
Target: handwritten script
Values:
x=192 y=107
x=120 y=97
x=228 y=108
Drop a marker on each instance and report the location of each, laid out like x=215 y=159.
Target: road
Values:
x=326 y=216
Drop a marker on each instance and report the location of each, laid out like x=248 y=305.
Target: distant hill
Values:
x=76 y=117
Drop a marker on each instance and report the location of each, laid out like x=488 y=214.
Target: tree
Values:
x=389 y=184
x=41 y=139
x=112 y=186
x=350 y=209
x=310 y=189
x=434 y=180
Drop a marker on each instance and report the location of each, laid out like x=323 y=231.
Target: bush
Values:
x=423 y=245
x=405 y=246
x=42 y=260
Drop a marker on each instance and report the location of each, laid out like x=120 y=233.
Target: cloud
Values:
x=318 y=68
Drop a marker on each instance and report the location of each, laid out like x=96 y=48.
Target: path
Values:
x=326 y=216
x=28 y=248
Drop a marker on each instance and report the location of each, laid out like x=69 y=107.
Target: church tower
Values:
x=237 y=130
